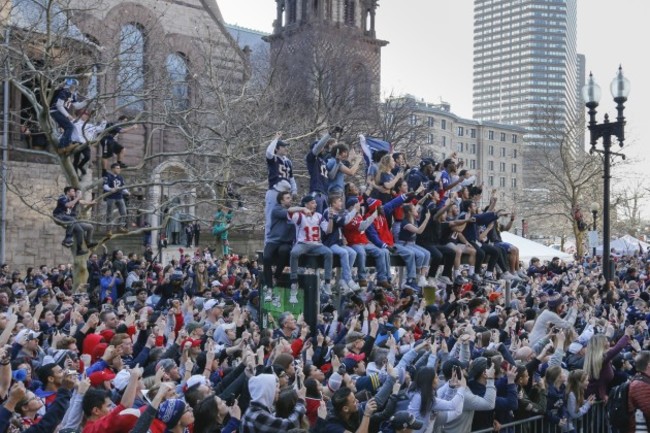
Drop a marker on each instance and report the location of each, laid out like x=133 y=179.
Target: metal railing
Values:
x=594 y=421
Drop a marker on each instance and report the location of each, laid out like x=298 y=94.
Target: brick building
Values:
x=135 y=47
x=494 y=149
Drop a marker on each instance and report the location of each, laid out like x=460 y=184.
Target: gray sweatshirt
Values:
x=472 y=403
x=281 y=232
x=540 y=328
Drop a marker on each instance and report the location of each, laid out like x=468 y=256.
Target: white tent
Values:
x=625 y=246
x=529 y=249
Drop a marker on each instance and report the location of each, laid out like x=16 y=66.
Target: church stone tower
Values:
x=331 y=43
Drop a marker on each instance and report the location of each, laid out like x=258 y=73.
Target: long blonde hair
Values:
x=384 y=167
x=574 y=385
x=595 y=356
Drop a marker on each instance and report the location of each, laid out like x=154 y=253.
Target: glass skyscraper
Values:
x=526 y=66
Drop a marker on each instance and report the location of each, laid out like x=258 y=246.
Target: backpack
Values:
x=617 y=409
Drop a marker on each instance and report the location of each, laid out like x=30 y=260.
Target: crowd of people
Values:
x=470 y=340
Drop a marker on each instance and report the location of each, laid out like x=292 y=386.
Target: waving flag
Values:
x=371 y=145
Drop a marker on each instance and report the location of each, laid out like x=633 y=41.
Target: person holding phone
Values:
x=425 y=404
x=454 y=372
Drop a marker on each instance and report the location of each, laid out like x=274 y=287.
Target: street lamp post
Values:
x=620 y=88
x=594 y=214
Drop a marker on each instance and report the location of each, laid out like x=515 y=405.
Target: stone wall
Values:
x=32 y=238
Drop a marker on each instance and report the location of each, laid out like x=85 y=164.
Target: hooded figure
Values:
x=264 y=390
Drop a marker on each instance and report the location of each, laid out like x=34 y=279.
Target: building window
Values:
x=490 y=135
x=503 y=152
x=444 y=141
x=514 y=153
x=429 y=138
x=472 y=164
x=502 y=167
x=503 y=136
x=430 y=122
x=514 y=138
x=459 y=147
x=130 y=74
x=443 y=124
x=514 y=182
x=461 y=131
x=473 y=148
x=491 y=150
x=93 y=83
x=177 y=71
x=292 y=11
x=491 y=165
x=350 y=10
x=472 y=132
x=413 y=120
x=502 y=182
x=491 y=180
x=514 y=168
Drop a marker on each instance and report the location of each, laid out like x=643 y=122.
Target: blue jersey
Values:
x=61 y=207
x=66 y=96
x=317 y=167
x=279 y=168
x=114 y=181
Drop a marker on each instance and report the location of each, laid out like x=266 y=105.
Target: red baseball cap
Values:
x=99 y=377
x=195 y=343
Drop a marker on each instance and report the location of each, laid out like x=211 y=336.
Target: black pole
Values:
x=595 y=214
x=607 y=145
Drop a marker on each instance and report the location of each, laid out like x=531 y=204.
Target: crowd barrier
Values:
x=594 y=421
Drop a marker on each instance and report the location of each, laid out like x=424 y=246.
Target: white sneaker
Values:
x=293 y=294
x=431 y=282
x=268 y=294
x=507 y=276
x=344 y=288
x=445 y=280
x=327 y=289
x=354 y=286
x=422 y=281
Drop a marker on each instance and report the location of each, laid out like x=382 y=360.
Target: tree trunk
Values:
x=80 y=272
x=579 y=240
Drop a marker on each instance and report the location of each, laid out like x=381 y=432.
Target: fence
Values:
x=594 y=421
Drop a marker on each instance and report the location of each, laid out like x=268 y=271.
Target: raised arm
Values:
x=270 y=150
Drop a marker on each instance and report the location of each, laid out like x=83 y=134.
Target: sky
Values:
x=430 y=54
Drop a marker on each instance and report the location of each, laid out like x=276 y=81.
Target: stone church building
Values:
x=168 y=35
x=136 y=46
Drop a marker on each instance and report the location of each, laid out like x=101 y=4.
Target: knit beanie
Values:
x=171 y=411
x=335 y=381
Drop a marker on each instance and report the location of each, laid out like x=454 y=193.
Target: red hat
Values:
x=358 y=358
x=99 y=377
x=494 y=296
x=195 y=343
x=108 y=335
x=98 y=352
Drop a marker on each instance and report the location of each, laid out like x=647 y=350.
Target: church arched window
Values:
x=130 y=75
x=177 y=71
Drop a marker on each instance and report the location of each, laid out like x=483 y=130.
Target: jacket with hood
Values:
x=381 y=222
x=259 y=417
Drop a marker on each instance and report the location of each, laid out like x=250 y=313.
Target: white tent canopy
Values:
x=529 y=249
x=625 y=246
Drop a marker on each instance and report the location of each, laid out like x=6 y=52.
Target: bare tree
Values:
x=562 y=180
